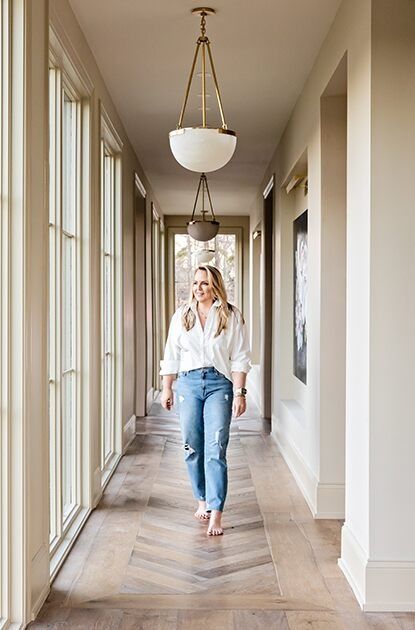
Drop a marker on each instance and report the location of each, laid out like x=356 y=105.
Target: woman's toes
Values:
x=202 y=515
x=215 y=531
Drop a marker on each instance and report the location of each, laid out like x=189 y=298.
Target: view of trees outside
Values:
x=186 y=251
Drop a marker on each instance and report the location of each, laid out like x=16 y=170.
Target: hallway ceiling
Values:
x=263 y=52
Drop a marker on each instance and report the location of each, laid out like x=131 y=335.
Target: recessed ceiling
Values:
x=263 y=53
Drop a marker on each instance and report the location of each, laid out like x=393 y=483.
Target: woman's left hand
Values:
x=239 y=406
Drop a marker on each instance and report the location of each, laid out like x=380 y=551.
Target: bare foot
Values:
x=215 y=528
x=201 y=513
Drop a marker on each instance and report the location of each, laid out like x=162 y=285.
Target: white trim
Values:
x=156 y=215
x=67 y=542
x=112 y=144
x=379 y=586
x=304 y=477
x=40 y=568
x=150 y=399
x=129 y=432
x=330 y=500
x=139 y=185
x=268 y=187
x=325 y=500
x=63 y=55
x=352 y=562
x=254 y=384
x=109 y=132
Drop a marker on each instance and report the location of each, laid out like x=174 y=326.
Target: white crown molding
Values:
x=108 y=131
x=140 y=186
x=63 y=54
x=268 y=187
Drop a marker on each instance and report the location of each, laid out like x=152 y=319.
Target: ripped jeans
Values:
x=205 y=399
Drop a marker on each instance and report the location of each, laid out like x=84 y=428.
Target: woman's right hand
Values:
x=167 y=399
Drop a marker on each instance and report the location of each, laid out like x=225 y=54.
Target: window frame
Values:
x=171 y=233
x=59 y=234
x=111 y=142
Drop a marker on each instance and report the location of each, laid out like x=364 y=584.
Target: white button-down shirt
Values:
x=198 y=347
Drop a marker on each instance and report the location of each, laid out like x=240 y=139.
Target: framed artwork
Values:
x=300 y=296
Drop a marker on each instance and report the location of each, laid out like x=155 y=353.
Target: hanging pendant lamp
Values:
x=202 y=149
x=204 y=256
x=203 y=230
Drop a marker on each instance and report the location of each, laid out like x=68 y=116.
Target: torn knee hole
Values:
x=188 y=449
x=222 y=443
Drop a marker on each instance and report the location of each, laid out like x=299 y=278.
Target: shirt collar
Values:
x=215 y=303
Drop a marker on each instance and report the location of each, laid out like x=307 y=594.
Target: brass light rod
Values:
x=203 y=182
x=203 y=43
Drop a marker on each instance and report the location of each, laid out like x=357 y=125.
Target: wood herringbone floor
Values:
x=143 y=561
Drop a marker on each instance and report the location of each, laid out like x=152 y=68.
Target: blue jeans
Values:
x=205 y=399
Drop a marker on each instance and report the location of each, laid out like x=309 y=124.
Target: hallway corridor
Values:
x=142 y=561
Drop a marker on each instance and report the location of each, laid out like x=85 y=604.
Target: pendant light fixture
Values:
x=203 y=149
x=203 y=230
x=205 y=255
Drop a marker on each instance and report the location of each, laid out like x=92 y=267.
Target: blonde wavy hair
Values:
x=218 y=289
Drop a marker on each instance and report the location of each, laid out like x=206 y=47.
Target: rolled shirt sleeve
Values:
x=170 y=363
x=240 y=353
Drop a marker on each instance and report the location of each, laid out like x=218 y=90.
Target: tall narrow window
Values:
x=64 y=304
x=111 y=297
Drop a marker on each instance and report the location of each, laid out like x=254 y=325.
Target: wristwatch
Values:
x=241 y=391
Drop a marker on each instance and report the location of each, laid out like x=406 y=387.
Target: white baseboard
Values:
x=150 y=398
x=97 y=490
x=40 y=568
x=330 y=500
x=253 y=384
x=325 y=500
x=302 y=474
x=129 y=432
x=379 y=586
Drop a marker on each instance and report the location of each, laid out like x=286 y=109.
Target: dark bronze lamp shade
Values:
x=203 y=230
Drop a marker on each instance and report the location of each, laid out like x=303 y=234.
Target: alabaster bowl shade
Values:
x=202 y=149
x=203 y=230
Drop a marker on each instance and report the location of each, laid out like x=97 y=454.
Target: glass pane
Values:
x=68 y=304
x=108 y=202
x=69 y=176
x=68 y=442
x=108 y=398
x=68 y=298
x=108 y=323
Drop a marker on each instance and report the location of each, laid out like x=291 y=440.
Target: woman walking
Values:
x=208 y=347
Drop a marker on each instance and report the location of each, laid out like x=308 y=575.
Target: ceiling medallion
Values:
x=203 y=149
x=203 y=230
